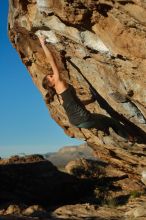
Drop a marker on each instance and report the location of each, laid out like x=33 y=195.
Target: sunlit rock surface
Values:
x=98 y=43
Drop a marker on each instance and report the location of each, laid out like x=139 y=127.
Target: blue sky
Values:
x=25 y=125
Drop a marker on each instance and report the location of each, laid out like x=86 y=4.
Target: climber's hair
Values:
x=49 y=97
x=46 y=83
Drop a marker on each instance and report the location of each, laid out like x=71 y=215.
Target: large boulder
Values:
x=98 y=45
x=86 y=168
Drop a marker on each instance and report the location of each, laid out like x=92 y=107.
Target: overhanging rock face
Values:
x=98 y=43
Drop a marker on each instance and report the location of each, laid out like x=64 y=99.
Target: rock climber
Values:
x=77 y=114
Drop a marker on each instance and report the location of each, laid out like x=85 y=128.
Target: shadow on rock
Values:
x=39 y=183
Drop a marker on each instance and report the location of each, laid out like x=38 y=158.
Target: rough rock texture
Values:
x=85 y=168
x=99 y=43
x=134 y=209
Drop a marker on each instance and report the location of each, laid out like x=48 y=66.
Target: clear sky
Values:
x=25 y=125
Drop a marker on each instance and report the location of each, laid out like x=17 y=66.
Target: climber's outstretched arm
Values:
x=50 y=58
x=60 y=85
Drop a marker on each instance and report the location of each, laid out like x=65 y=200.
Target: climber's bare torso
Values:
x=59 y=85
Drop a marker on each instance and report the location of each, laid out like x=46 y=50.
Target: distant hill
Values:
x=68 y=153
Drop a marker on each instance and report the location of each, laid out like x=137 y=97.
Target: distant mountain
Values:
x=68 y=153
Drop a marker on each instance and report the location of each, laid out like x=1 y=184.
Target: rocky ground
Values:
x=86 y=191
x=134 y=209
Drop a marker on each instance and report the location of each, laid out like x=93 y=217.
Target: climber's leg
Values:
x=103 y=123
x=96 y=121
